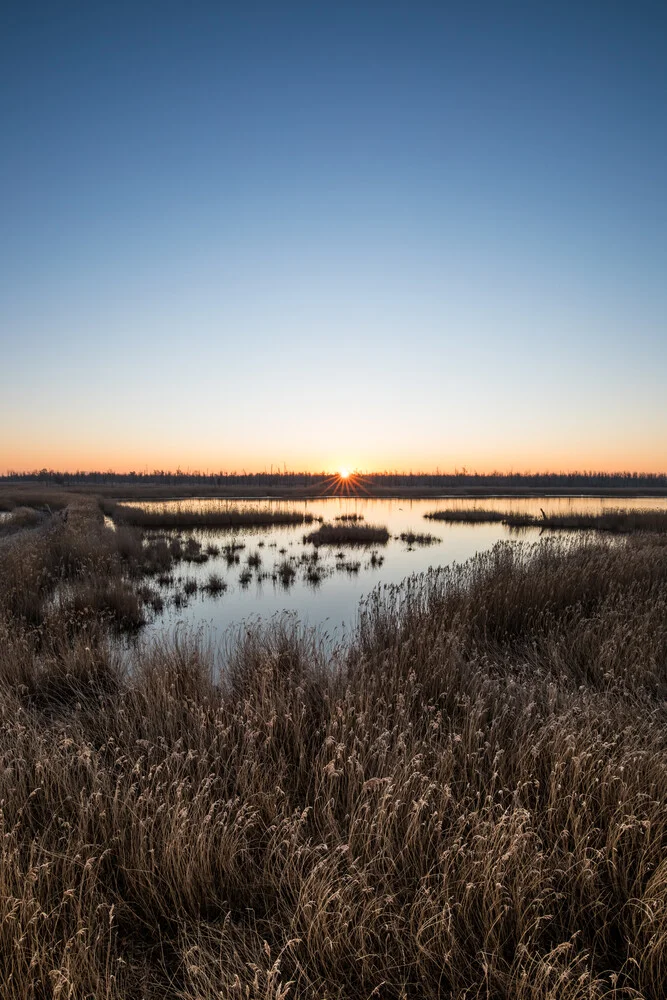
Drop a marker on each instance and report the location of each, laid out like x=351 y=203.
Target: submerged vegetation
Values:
x=414 y=538
x=348 y=534
x=469 y=799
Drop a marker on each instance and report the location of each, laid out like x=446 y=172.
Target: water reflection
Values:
x=231 y=574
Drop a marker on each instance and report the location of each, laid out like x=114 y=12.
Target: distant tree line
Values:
x=463 y=478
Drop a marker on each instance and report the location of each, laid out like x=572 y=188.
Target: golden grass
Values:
x=184 y=517
x=469 y=800
x=617 y=521
x=468 y=515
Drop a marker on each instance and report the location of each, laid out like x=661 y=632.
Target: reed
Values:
x=215 y=584
x=617 y=521
x=185 y=517
x=348 y=534
x=467 y=799
x=467 y=515
x=414 y=538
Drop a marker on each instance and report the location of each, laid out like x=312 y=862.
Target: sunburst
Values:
x=345 y=483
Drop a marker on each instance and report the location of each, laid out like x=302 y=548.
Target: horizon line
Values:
x=456 y=473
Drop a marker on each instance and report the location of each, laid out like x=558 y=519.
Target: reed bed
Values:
x=415 y=538
x=37 y=498
x=348 y=534
x=616 y=521
x=20 y=518
x=468 y=800
x=184 y=517
x=467 y=515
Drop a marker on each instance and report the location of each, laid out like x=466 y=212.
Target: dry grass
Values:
x=73 y=568
x=414 y=538
x=285 y=572
x=215 y=584
x=469 y=801
x=21 y=518
x=617 y=521
x=184 y=517
x=348 y=534
x=36 y=497
x=468 y=515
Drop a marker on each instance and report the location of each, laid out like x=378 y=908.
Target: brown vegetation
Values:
x=348 y=534
x=414 y=538
x=183 y=517
x=469 y=800
x=20 y=518
x=472 y=515
x=617 y=521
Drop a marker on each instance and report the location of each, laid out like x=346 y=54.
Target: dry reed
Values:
x=468 y=800
x=348 y=534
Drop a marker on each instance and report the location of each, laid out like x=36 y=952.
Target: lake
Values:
x=332 y=600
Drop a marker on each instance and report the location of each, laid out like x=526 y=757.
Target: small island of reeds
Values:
x=615 y=521
x=345 y=533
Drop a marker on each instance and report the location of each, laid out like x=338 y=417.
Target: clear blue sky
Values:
x=384 y=235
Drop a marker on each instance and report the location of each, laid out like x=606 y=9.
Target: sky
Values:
x=403 y=235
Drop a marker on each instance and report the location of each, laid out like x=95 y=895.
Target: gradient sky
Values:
x=382 y=235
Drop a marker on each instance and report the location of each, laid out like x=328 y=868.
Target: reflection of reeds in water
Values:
x=471 y=515
x=231 y=555
x=348 y=534
x=183 y=517
x=467 y=800
x=412 y=538
x=215 y=584
x=617 y=521
x=285 y=572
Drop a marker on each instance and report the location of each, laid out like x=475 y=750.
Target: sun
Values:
x=346 y=482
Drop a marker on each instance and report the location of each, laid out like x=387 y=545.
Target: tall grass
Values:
x=348 y=534
x=467 y=800
x=184 y=517
x=414 y=538
x=617 y=521
x=472 y=515
x=20 y=518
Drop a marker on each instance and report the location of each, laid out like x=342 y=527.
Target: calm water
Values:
x=334 y=600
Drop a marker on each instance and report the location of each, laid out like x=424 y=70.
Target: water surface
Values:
x=333 y=601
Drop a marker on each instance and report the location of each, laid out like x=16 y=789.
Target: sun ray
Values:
x=345 y=484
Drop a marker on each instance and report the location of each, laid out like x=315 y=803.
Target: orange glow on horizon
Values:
x=648 y=460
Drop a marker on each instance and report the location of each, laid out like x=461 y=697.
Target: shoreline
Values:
x=18 y=493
